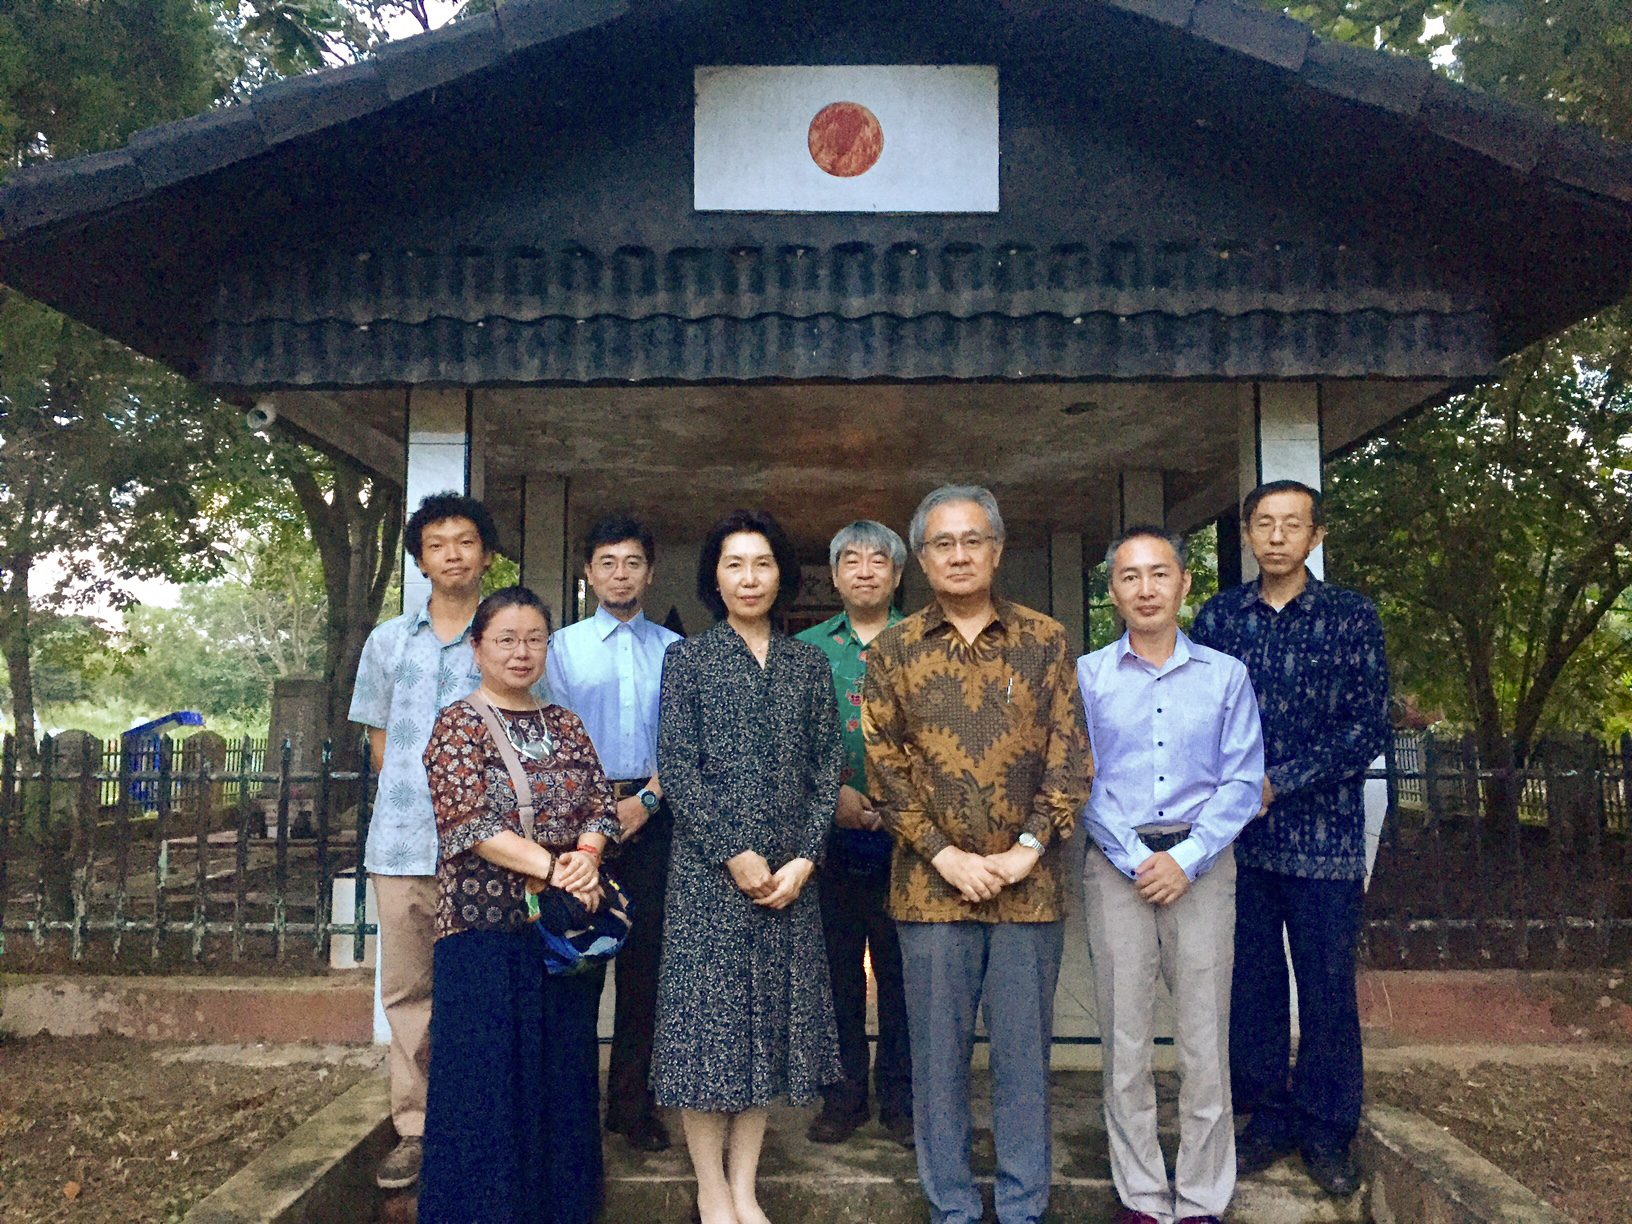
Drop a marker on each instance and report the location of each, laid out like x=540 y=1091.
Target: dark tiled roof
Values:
x=852 y=281
x=1115 y=309
x=166 y=155
x=1263 y=344
x=172 y=152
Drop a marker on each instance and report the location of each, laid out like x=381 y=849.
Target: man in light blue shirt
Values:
x=1178 y=773
x=608 y=670
x=411 y=667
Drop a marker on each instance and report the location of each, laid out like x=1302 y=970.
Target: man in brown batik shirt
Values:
x=977 y=758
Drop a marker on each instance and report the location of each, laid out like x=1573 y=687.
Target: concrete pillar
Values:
x=546 y=553
x=1065 y=582
x=1280 y=440
x=439 y=453
x=1142 y=498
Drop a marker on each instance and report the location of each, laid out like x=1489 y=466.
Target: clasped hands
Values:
x=773 y=889
x=578 y=874
x=980 y=877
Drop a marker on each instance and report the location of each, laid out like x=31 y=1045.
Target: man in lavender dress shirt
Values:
x=1178 y=772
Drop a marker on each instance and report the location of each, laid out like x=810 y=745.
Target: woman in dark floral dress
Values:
x=748 y=750
x=512 y=1120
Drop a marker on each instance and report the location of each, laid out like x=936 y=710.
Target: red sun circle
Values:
x=845 y=139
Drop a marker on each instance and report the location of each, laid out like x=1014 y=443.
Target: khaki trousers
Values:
x=1191 y=943
x=407 y=908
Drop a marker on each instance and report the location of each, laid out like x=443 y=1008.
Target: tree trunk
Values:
x=16 y=643
x=357 y=530
x=1495 y=749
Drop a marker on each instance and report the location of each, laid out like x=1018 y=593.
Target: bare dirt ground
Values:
x=1564 y=1131
x=106 y=1129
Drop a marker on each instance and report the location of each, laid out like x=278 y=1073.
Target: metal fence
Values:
x=1487 y=865
x=210 y=849
x=221 y=854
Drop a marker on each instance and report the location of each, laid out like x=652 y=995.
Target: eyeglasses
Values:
x=943 y=546
x=508 y=642
x=611 y=565
x=1266 y=526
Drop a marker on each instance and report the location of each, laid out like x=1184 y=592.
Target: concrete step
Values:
x=872 y=1180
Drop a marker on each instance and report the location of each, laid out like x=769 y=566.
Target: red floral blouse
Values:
x=474 y=800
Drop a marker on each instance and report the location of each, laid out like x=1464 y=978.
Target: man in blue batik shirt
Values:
x=1316 y=657
x=1178 y=770
x=411 y=668
x=608 y=670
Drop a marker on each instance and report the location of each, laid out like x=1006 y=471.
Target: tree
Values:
x=356 y=523
x=106 y=465
x=1494 y=531
x=1496 y=534
x=219 y=650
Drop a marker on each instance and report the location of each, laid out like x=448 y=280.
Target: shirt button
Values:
x=1158 y=743
x=1161 y=778
x=1158 y=709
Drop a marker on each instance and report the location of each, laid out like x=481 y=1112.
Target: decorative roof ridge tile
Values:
x=297 y=106
x=611 y=349
x=1013 y=277
x=458 y=49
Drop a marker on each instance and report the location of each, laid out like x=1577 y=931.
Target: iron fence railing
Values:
x=231 y=853
x=1484 y=864
x=201 y=841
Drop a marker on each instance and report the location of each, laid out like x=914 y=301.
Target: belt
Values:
x=1157 y=842
x=623 y=790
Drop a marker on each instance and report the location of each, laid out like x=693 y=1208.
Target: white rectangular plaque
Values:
x=872 y=138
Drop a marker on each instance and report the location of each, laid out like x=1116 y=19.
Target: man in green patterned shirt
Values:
x=867 y=560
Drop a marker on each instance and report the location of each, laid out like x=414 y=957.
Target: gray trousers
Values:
x=1191 y=943
x=1010 y=970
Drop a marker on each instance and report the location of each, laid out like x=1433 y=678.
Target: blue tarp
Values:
x=141 y=744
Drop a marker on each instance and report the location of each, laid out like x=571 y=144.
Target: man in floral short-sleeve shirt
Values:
x=411 y=667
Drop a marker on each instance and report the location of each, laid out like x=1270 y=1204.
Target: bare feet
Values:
x=716 y=1208
x=747 y=1207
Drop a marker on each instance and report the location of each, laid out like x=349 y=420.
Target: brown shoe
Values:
x=400 y=1169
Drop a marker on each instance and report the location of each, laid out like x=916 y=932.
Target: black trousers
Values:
x=1317 y=1103
x=642 y=867
x=856 y=921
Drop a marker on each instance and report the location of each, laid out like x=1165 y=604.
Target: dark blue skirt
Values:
x=512 y=1115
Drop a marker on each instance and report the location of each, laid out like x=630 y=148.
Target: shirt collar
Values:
x=1182 y=653
x=1252 y=592
x=606 y=624
x=841 y=627
x=422 y=620
x=935 y=616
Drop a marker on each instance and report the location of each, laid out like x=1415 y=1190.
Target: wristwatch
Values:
x=648 y=800
x=1030 y=842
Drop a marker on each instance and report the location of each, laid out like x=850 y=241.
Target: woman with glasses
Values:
x=512 y=1124
x=748 y=749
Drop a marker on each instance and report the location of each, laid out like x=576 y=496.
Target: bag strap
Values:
x=512 y=762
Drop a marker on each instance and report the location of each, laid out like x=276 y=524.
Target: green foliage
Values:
x=77 y=76
x=260 y=41
x=504 y=573
x=1493 y=531
x=1496 y=535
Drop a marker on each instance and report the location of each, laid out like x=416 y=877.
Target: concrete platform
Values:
x=872 y=1180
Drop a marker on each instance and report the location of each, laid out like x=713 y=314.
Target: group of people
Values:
x=880 y=789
